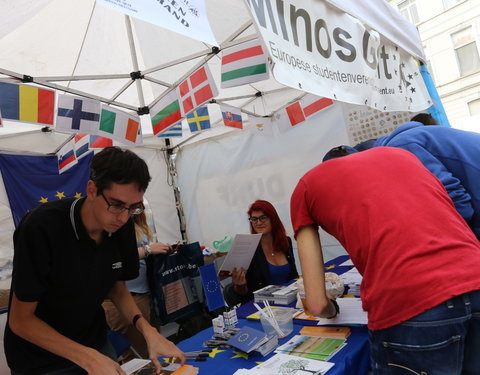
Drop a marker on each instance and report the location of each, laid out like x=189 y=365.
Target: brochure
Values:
x=240 y=254
x=319 y=348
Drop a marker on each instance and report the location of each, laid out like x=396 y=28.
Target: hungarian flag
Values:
x=244 y=63
x=165 y=113
x=199 y=120
x=312 y=104
x=173 y=131
x=120 y=126
x=66 y=157
x=27 y=103
x=97 y=141
x=261 y=125
x=196 y=90
x=232 y=116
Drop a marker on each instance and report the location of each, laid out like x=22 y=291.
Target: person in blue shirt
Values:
x=452 y=155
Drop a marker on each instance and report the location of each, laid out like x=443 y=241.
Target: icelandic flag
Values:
x=232 y=116
x=82 y=143
x=196 y=90
x=165 y=113
x=120 y=126
x=32 y=180
x=199 y=120
x=77 y=115
x=97 y=141
x=211 y=287
x=173 y=131
x=66 y=157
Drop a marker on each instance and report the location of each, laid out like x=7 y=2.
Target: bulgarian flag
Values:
x=244 y=63
x=166 y=113
x=120 y=126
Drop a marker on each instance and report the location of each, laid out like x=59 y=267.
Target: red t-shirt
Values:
x=399 y=226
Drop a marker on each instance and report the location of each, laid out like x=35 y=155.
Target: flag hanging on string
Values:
x=66 y=157
x=77 y=115
x=171 y=132
x=232 y=116
x=243 y=64
x=199 y=120
x=261 y=125
x=120 y=126
x=97 y=141
x=212 y=287
x=312 y=104
x=196 y=90
x=166 y=112
x=32 y=180
x=82 y=143
x=27 y=103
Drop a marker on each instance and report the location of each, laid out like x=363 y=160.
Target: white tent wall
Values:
x=219 y=178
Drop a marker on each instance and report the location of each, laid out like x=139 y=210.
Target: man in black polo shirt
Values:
x=69 y=256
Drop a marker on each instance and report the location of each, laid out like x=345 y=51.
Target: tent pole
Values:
x=133 y=55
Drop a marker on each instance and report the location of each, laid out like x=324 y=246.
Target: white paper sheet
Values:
x=351 y=312
x=241 y=253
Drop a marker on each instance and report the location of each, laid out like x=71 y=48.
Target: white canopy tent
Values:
x=86 y=49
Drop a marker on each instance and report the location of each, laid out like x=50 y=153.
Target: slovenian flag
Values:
x=120 y=126
x=244 y=63
x=232 y=116
x=165 y=113
x=66 y=157
x=27 y=103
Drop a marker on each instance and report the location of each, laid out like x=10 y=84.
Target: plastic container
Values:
x=284 y=317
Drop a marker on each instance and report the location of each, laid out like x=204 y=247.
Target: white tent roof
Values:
x=84 y=48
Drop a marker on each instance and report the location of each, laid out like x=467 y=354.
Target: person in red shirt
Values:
x=418 y=257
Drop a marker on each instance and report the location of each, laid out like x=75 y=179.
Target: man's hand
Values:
x=159 y=346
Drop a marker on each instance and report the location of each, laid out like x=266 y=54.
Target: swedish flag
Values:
x=199 y=119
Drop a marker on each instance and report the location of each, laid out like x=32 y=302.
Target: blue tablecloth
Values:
x=353 y=359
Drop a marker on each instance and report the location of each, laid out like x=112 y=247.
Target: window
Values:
x=474 y=107
x=450 y=3
x=466 y=51
x=408 y=9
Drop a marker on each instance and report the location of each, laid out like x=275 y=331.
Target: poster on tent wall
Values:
x=33 y=180
x=317 y=48
x=186 y=17
x=365 y=123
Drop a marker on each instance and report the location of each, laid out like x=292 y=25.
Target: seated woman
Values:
x=273 y=262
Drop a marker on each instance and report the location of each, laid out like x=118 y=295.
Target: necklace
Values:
x=273 y=253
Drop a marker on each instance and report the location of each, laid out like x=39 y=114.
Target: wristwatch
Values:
x=147 y=249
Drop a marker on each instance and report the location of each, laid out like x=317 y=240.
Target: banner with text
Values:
x=316 y=48
x=186 y=17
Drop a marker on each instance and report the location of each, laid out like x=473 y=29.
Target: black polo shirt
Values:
x=59 y=266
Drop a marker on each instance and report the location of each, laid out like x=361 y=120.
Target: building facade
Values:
x=450 y=33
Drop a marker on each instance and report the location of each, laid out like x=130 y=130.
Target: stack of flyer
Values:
x=249 y=339
x=319 y=348
x=145 y=367
x=288 y=364
x=276 y=294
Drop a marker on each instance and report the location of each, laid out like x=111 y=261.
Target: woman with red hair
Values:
x=273 y=262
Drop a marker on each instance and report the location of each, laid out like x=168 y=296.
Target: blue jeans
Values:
x=444 y=340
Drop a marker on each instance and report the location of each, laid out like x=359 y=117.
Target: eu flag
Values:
x=32 y=180
x=212 y=287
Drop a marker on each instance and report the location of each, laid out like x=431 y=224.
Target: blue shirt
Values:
x=279 y=274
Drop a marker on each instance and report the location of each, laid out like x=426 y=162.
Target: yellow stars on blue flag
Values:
x=214 y=352
x=240 y=354
x=59 y=195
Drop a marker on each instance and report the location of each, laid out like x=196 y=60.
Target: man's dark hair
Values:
x=338 y=152
x=425 y=119
x=115 y=165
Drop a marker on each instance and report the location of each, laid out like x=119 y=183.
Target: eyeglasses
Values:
x=118 y=208
x=261 y=219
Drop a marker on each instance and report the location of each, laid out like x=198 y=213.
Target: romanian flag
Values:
x=27 y=103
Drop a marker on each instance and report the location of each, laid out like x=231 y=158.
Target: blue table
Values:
x=353 y=359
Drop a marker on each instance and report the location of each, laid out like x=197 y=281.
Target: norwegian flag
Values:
x=196 y=90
